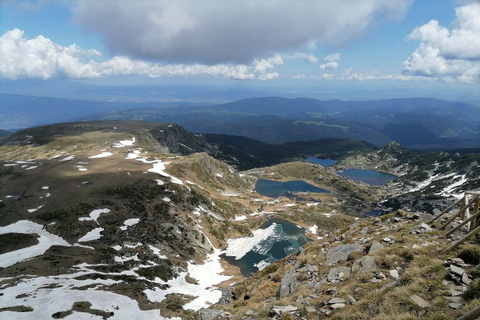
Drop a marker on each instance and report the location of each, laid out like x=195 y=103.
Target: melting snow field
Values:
x=45 y=241
x=129 y=222
x=46 y=301
x=101 y=155
x=91 y=235
x=124 y=143
x=239 y=247
x=67 y=158
x=94 y=215
x=208 y=275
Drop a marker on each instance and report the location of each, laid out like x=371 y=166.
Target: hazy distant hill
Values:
x=4 y=133
x=417 y=123
x=18 y=111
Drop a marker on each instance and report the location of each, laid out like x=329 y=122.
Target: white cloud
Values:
x=42 y=58
x=325 y=76
x=350 y=74
x=309 y=57
x=328 y=65
x=331 y=62
x=262 y=65
x=448 y=54
x=212 y=31
x=333 y=57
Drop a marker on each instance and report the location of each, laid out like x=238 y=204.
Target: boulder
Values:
x=375 y=247
x=394 y=274
x=368 y=263
x=288 y=285
x=336 y=300
x=227 y=296
x=341 y=252
x=339 y=274
x=208 y=314
x=279 y=310
x=419 y=301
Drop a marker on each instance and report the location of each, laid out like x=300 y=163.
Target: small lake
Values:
x=372 y=177
x=285 y=238
x=322 y=162
x=273 y=189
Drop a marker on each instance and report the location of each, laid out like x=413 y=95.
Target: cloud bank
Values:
x=233 y=31
x=42 y=58
x=448 y=54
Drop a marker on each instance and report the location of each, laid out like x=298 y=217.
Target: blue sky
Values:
x=370 y=44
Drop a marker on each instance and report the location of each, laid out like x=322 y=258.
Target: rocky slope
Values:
x=133 y=219
x=385 y=268
x=424 y=181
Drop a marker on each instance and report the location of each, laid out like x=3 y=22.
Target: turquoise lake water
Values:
x=322 y=162
x=273 y=189
x=287 y=238
x=368 y=176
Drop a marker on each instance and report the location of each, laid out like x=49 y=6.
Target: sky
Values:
x=415 y=48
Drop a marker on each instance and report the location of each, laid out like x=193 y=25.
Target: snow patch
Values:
x=94 y=215
x=45 y=241
x=101 y=155
x=91 y=235
x=129 y=222
x=124 y=143
x=35 y=209
x=241 y=246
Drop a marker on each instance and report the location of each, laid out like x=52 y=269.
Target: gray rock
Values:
x=364 y=231
x=455 y=293
x=455 y=300
x=455 y=305
x=426 y=227
x=340 y=274
x=456 y=270
x=208 y=314
x=368 y=263
x=342 y=252
x=337 y=306
x=279 y=310
x=466 y=279
x=227 y=296
x=394 y=274
x=311 y=310
x=419 y=301
x=375 y=247
x=336 y=300
x=352 y=300
x=288 y=285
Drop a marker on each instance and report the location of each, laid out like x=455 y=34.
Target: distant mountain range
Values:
x=416 y=123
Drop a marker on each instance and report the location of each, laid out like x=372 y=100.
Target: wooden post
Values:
x=473 y=217
x=459 y=242
x=473 y=314
x=466 y=215
x=462 y=207
x=475 y=209
x=445 y=211
x=457 y=214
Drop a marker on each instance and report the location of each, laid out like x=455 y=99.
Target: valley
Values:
x=120 y=219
